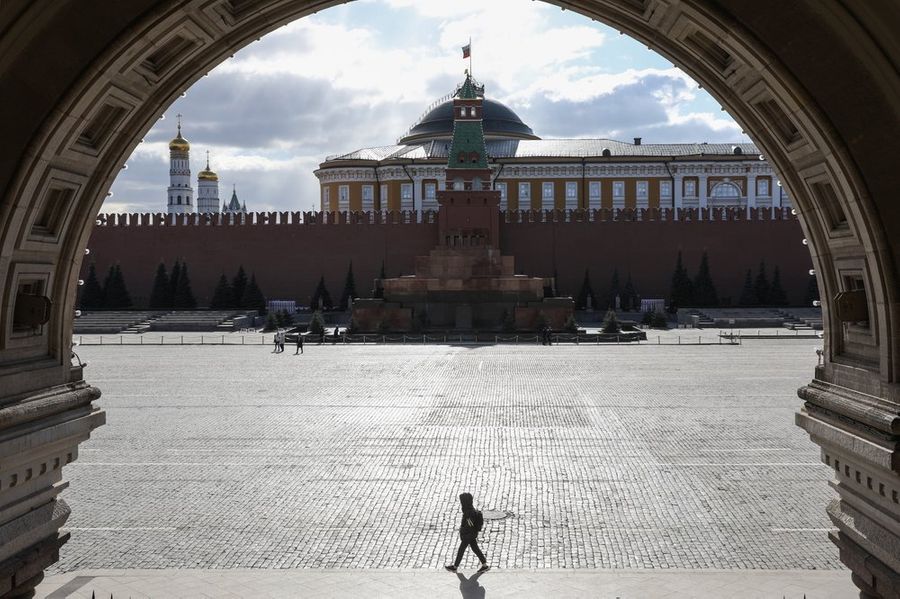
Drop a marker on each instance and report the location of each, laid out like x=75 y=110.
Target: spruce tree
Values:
x=222 y=298
x=349 y=288
x=91 y=291
x=238 y=287
x=321 y=293
x=253 y=296
x=748 y=294
x=124 y=296
x=115 y=293
x=704 y=295
x=611 y=323
x=613 y=290
x=585 y=292
x=109 y=289
x=316 y=323
x=761 y=285
x=681 y=293
x=630 y=299
x=159 y=296
x=812 y=291
x=173 y=283
x=379 y=285
x=184 y=297
x=777 y=296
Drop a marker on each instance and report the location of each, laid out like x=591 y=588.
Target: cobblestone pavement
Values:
x=353 y=456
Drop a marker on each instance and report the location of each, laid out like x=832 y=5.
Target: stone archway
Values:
x=814 y=82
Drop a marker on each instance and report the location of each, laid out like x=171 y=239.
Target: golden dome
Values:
x=179 y=144
x=206 y=174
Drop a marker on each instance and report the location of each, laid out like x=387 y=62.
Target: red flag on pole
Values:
x=467 y=50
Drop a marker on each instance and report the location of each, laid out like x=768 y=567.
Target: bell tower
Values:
x=207 y=190
x=181 y=194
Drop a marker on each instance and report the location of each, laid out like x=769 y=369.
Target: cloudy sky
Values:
x=361 y=74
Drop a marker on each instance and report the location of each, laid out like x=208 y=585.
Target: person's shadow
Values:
x=469 y=587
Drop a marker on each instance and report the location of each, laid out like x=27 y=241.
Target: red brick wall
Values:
x=288 y=259
x=649 y=250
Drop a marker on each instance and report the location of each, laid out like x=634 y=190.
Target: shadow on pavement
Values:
x=469 y=587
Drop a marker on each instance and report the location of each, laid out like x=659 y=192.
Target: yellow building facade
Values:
x=545 y=174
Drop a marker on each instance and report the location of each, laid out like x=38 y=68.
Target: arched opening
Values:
x=75 y=126
x=725 y=194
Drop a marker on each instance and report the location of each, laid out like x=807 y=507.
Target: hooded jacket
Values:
x=467 y=530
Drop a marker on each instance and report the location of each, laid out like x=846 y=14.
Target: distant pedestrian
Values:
x=471 y=525
x=279 y=339
x=275 y=341
x=299 y=343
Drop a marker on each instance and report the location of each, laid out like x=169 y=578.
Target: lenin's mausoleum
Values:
x=563 y=207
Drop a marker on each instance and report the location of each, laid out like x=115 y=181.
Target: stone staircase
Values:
x=143 y=326
x=803 y=319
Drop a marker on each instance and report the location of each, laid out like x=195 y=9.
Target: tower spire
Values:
x=207 y=160
x=179 y=123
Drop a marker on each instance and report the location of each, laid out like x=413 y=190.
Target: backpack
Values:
x=477 y=520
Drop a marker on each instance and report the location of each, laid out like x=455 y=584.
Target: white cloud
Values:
x=358 y=75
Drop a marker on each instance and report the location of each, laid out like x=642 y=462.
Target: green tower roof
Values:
x=468 y=136
x=470 y=89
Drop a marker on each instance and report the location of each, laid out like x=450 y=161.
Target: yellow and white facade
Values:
x=544 y=174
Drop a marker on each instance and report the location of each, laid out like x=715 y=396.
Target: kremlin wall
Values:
x=288 y=252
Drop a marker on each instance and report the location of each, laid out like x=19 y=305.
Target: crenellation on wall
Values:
x=400 y=217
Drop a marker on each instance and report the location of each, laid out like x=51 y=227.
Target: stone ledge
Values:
x=867 y=409
x=826 y=434
x=52 y=401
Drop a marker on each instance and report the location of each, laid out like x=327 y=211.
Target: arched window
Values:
x=473 y=157
x=725 y=194
x=179 y=200
x=462 y=156
x=606 y=153
x=458 y=184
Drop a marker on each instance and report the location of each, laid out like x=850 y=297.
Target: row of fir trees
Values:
x=238 y=294
x=171 y=291
x=321 y=298
x=700 y=292
x=111 y=295
x=628 y=297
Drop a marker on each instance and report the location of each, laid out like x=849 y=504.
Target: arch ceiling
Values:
x=814 y=82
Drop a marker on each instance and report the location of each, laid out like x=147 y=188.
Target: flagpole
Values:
x=470 y=57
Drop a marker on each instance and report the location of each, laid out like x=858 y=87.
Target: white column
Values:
x=678 y=191
x=701 y=192
x=751 y=193
x=418 y=193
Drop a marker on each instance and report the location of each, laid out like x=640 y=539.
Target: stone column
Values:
x=751 y=193
x=701 y=193
x=678 y=192
x=418 y=194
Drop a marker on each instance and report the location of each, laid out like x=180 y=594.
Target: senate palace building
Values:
x=532 y=173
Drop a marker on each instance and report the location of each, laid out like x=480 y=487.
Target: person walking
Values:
x=275 y=341
x=299 y=343
x=471 y=525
